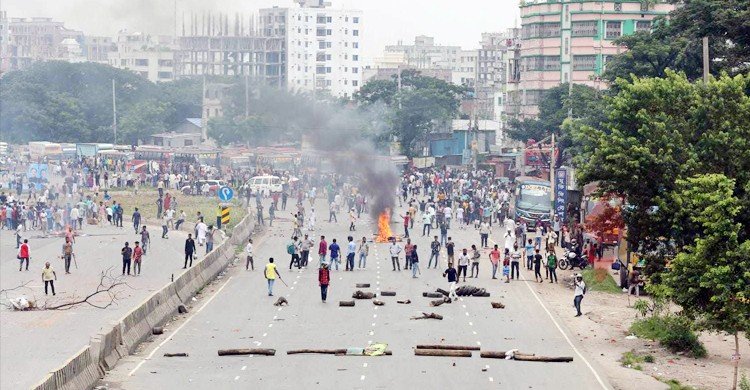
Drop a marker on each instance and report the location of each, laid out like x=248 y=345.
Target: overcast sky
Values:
x=386 y=21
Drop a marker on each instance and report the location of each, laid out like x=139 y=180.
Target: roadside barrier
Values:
x=79 y=372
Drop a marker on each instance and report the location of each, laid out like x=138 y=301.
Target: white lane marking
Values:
x=265 y=334
x=340 y=278
x=243 y=368
x=362 y=378
x=471 y=323
x=596 y=375
x=237 y=377
x=270 y=325
x=374 y=316
x=292 y=287
x=179 y=328
x=279 y=309
x=373 y=324
x=479 y=344
x=491 y=380
x=467 y=313
x=474 y=331
x=275 y=317
x=364 y=364
x=295 y=282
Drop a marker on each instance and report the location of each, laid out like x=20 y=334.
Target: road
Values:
x=241 y=315
x=35 y=342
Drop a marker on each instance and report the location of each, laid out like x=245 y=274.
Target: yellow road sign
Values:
x=225 y=214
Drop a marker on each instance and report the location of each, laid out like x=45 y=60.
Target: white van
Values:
x=265 y=184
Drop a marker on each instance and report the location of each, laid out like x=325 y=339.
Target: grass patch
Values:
x=600 y=280
x=673 y=332
x=633 y=360
x=207 y=205
x=674 y=384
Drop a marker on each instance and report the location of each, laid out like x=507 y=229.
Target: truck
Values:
x=532 y=200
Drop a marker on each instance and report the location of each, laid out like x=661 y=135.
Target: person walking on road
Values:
x=127 y=254
x=363 y=250
x=67 y=254
x=463 y=263
x=494 y=260
x=484 y=234
x=324 y=279
x=452 y=275
x=48 y=277
x=580 y=290
x=506 y=265
x=529 y=253
x=395 y=250
x=136 y=218
x=450 y=247
x=426 y=223
x=249 y=254
x=552 y=266
x=189 y=250
x=434 y=252
x=180 y=220
x=475 y=256
x=271 y=273
x=407 y=253
x=23 y=254
x=305 y=247
x=137 y=258
x=515 y=261
x=352 y=220
x=335 y=250
x=293 y=250
x=414 y=262
x=145 y=239
x=166 y=219
x=538 y=267
x=351 y=251
x=322 y=250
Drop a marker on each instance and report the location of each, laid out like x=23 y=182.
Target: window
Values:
x=355 y=57
x=165 y=62
x=164 y=75
x=583 y=29
x=644 y=5
x=328 y=69
x=321 y=19
x=540 y=30
x=355 y=33
x=542 y=63
x=123 y=62
x=320 y=57
x=321 y=32
x=355 y=83
x=613 y=30
x=321 y=45
x=329 y=19
x=586 y=62
x=643 y=25
x=320 y=70
x=355 y=45
x=566 y=45
x=355 y=70
x=141 y=62
x=618 y=7
x=355 y=19
x=328 y=31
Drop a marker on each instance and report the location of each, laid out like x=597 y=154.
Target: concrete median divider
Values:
x=122 y=337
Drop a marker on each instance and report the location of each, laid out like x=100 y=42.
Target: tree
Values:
x=142 y=119
x=710 y=278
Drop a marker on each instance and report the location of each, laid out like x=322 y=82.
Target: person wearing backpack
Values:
x=292 y=249
x=580 y=291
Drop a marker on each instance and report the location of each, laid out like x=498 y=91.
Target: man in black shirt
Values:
x=189 y=250
x=127 y=253
x=452 y=279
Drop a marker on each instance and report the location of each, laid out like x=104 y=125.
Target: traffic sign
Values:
x=225 y=194
x=225 y=214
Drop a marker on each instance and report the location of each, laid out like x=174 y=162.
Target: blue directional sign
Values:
x=225 y=194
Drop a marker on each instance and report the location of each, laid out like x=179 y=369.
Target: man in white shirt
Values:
x=580 y=290
x=484 y=233
x=447 y=214
x=426 y=223
x=463 y=264
x=249 y=253
x=395 y=249
x=201 y=230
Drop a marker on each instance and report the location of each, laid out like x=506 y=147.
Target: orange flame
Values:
x=384 y=226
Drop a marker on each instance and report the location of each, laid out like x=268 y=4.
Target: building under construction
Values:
x=210 y=46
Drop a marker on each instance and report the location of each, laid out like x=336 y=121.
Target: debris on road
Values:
x=471 y=291
x=388 y=293
x=346 y=303
x=363 y=285
x=427 y=316
x=404 y=301
x=182 y=309
x=497 y=305
x=363 y=295
x=514 y=354
x=157 y=330
x=449 y=347
x=441 y=352
x=249 y=351
x=432 y=295
x=281 y=302
x=377 y=302
x=178 y=354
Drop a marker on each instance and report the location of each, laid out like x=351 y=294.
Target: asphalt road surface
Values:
x=32 y=343
x=240 y=314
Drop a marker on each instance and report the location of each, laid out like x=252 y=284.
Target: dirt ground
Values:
x=602 y=332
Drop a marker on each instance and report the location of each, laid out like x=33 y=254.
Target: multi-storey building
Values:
x=323 y=45
x=37 y=39
x=96 y=49
x=149 y=56
x=4 y=46
x=571 y=40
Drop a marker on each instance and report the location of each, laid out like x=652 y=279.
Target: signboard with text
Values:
x=561 y=193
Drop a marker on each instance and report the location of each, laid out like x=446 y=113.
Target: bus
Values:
x=532 y=200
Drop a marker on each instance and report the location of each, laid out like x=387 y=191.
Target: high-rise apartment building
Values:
x=564 y=40
x=149 y=56
x=323 y=45
x=37 y=39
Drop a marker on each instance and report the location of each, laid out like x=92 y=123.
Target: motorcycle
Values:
x=571 y=260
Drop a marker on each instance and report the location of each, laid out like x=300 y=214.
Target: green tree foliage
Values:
x=661 y=130
x=419 y=107
x=677 y=43
x=64 y=102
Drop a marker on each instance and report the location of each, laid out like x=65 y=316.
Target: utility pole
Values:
x=114 y=111
x=705 y=60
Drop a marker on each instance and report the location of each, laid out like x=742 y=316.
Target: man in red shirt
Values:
x=137 y=256
x=324 y=278
x=23 y=254
x=322 y=250
x=406 y=224
x=494 y=259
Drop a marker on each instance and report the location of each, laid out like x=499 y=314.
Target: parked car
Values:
x=265 y=185
x=213 y=186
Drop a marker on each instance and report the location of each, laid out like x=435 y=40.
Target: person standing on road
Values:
x=552 y=266
x=137 y=256
x=529 y=253
x=414 y=262
x=324 y=279
x=494 y=260
x=556 y=227
x=136 y=218
x=352 y=220
x=249 y=254
x=475 y=256
x=292 y=249
x=463 y=264
x=450 y=248
x=434 y=252
x=351 y=251
x=145 y=239
x=506 y=265
x=395 y=250
x=515 y=260
x=271 y=273
x=271 y=214
x=322 y=250
x=210 y=238
x=305 y=247
x=363 y=250
x=426 y=223
x=334 y=248
x=48 y=277
x=127 y=254
x=452 y=280
x=67 y=254
x=580 y=290
x=23 y=254
x=189 y=250
x=406 y=224
x=407 y=253
x=166 y=219
x=484 y=234
x=538 y=267
x=332 y=208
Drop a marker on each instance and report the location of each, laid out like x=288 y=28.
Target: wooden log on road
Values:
x=549 y=359
x=363 y=285
x=500 y=354
x=432 y=295
x=157 y=330
x=387 y=293
x=346 y=303
x=178 y=354
x=428 y=315
x=317 y=351
x=449 y=347
x=247 y=351
x=405 y=301
x=437 y=302
x=441 y=352
x=363 y=295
